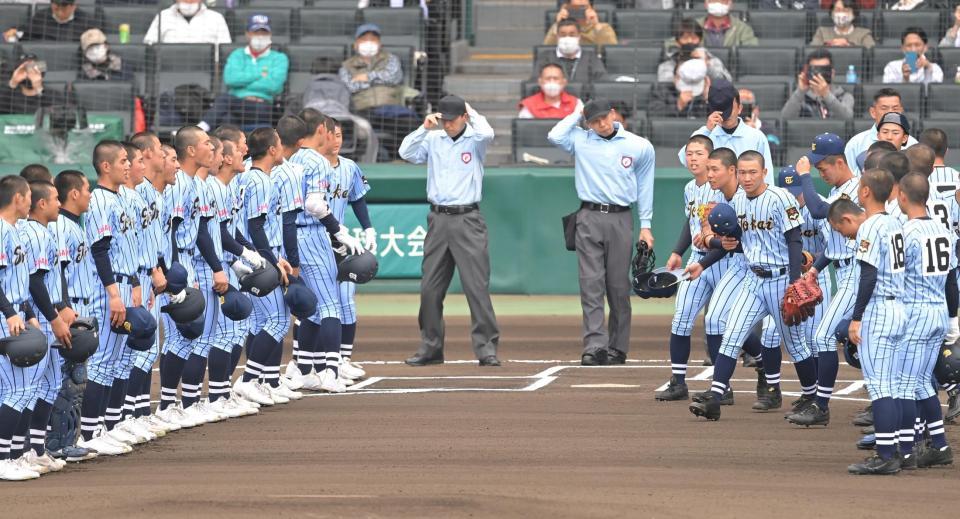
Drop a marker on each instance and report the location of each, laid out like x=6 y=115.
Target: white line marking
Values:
x=850 y=389
x=603 y=386
x=321 y=496
x=705 y=374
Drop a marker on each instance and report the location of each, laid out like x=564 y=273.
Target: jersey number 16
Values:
x=936 y=256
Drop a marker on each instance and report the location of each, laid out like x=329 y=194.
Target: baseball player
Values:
x=877 y=323
x=928 y=274
x=111 y=235
x=771 y=242
x=16 y=394
x=828 y=157
x=80 y=280
x=886 y=100
x=613 y=169
x=320 y=335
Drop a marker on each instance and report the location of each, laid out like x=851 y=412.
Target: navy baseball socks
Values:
x=329 y=343
x=117 y=395
x=679 y=356
x=38 y=426
x=348 y=333
x=709 y=406
x=171 y=371
x=306 y=334
x=713 y=347
x=93 y=396
x=192 y=379
x=219 y=368
x=9 y=420
x=886 y=461
x=907 y=432
x=135 y=386
x=258 y=354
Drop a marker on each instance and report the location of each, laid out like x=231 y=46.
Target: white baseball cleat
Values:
x=239 y=400
x=213 y=414
x=59 y=463
x=104 y=447
x=155 y=428
x=251 y=391
x=292 y=378
x=224 y=407
x=10 y=470
x=288 y=392
x=196 y=414
x=311 y=382
x=330 y=382
x=29 y=461
x=242 y=404
x=347 y=382
x=349 y=370
x=175 y=414
x=291 y=370
x=157 y=421
x=119 y=435
x=276 y=395
x=132 y=426
x=45 y=462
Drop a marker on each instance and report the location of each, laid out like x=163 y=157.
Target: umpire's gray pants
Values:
x=604 y=245
x=457 y=241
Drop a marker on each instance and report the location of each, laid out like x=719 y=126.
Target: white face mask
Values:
x=260 y=43
x=568 y=45
x=842 y=19
x=717 y=9
x=96 y=53
x=188 y=9
x=552 y=89
x=368 y=49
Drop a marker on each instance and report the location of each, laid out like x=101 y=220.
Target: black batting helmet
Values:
x=26 y=349
x=358 y=268
x=187 y=310
x=947 y=368
x=84 y=340
x=658 y=283
x=262 y=281
x=850 y=351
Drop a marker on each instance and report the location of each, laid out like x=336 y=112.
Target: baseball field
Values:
x=539 y=437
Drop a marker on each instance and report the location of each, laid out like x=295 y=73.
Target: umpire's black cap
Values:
x=594 y=108
x=26 y=349
x=451 y=107
x=721 y=96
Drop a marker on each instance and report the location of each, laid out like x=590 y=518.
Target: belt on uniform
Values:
x=454 y=209
x=764 y=273
x=604 y=208
x=123 y=278
x=81 y=300
x=839 y=263
x=189 y=251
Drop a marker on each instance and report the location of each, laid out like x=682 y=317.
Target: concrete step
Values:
x=484 y=88
x=499 y=157
x=486 y=67
x=521 y=15
x=517 y=38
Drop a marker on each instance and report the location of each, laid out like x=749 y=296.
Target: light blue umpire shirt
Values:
x=744 y=138
x=618 y=171
x=859 y=144
x=454 y=167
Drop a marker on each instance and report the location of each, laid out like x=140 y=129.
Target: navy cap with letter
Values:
x=723 y=221
x=789 y=179
x=825 y=145
x=234 y=305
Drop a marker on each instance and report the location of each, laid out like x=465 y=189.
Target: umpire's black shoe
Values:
x=674 y=391
x=863 y=419
x=761 y=383
x=423 y=359
x=749 y=361
x=770 y=400
x=811 y=415
x=490 y=360
x=595 y=358
x=932 y=457
x=875 y=465
x=800 y=404
x=867 y=443
x=615 y=356
x=709 y=408
x=953 y=405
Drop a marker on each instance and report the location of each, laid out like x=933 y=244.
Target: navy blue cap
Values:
x=235 y=305
x=301 y=300
x=192 y=330
x=825 y=145
x=138 y=323
x=789 y=179
x=258 y=22
x=720 y=97
x=723 y=221
x=176 y=278
x=365 y=28
x=895 y=118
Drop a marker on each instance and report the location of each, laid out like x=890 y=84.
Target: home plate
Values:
x=603 y=386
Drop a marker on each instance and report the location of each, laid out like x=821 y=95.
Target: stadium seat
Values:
x=643 y=25
x=139 y=59
x=530 y=86
x=530 y=136
x=8 y=57
x=952 y=127
x=550 y=51
x=604 y=13
x=942 y=101
x=668 y=135
x=108 y=98
x=138 y=17
x=766 y=65
x=63 y=58
x=634 y=96
x=770 y=97
x=949 y=62
x=639 y=62
x=13 y=15
x=282 y=22
x=842 y=57
x=182 y=64
x=910 y=95
x=405 y=53
x=290 y=4
x=780 y=27
x=892 y=24
x=798 y=134
x=327 y=26
x=302 y=58
x=399 y=26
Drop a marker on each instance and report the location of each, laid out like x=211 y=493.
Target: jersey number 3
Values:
x=936 y=256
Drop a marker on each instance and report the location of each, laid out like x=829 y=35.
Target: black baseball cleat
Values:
x=932 y=457
x=726 y=400
x=811 y=415
x=595 y=358
x=867 y=443
x=953 y=405
x=876 y=466
x=749 y=361
x=709 y=408
x=615 y=356
x=863 y=419
x=800 y=404
x=674 y=391
x=761 y=383
x=908 y=461
x=770 y=400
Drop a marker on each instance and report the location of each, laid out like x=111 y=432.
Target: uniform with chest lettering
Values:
x=80 y=274
x=41 y=247
x=208 y=209
x=138 y=213
x=260 y=199
x=184 y=207
x=348 y=185
x=228 y=332
x=15 y=390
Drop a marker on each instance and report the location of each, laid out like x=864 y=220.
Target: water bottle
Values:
x=124 y=33
x=851 y=75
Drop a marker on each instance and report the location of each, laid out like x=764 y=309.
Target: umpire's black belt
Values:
x=454 y=209
x=764 y=273
x=839 y=263
x=81 y=300
x=123 y=278
x=604 y=208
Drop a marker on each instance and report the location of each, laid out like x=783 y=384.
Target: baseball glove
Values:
x=800 y=300
x=705 y=227
x=807 y=262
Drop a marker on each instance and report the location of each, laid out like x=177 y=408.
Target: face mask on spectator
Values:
x=260 y=43
x=568 y=45
x=96 y=53
x=188 y=9
x=368 y=49
x=842 y=19
x=717 y=9
x=552 y=89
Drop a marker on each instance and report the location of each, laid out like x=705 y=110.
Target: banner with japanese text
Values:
x=401 y=229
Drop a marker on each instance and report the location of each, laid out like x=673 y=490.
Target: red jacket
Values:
x=537 y=105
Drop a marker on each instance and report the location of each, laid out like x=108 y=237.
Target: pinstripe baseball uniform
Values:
x=184 y=203
x=15 y=277
x=207 y=209
x=139 y=213
x=41 y=248
x=348 y=184
x=155 y=244
x=81 y=275
x=944 y=182
x=261 y=199
x=224 y=198
x=730 y=281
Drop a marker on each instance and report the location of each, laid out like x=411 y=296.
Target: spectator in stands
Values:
x=843 y=33
x=592 y=30
x=254 y=76
x=723 y=30
x=915 y=67
x=750 y=113
x=816 y=96
x=687 y=42
x=908 y=5
x=62 y=21
x=98 y=61
x=686 y=95
x=952 y=37
x=23 y=93
x=577 y=66
x=328 y=95
x=552 y=101
x=188 y=21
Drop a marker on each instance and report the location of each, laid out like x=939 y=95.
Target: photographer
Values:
x=592 y=30
x=816 y=96
x=687 y=43
x=23 y=93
